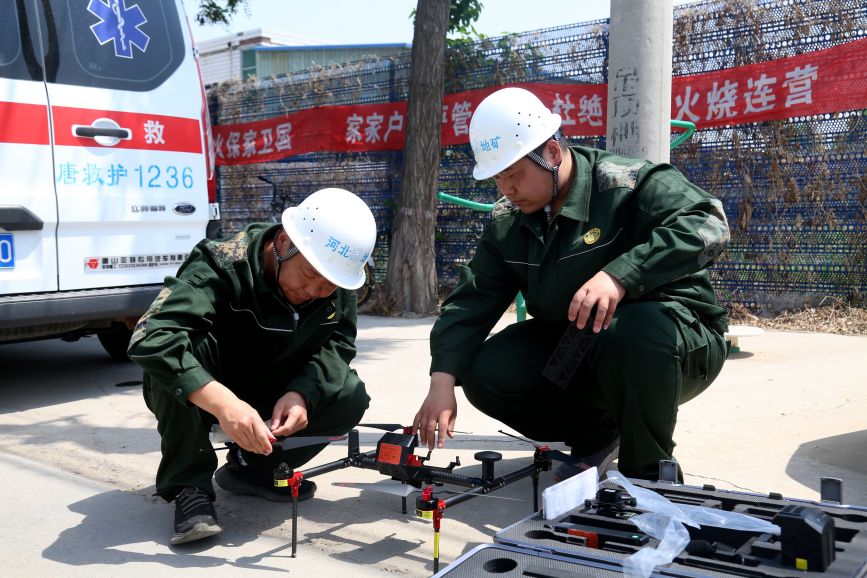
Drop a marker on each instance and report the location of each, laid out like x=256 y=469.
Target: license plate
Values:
x=7 y=251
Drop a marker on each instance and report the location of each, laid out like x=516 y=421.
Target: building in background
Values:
x=221 y=59
x=260 y=53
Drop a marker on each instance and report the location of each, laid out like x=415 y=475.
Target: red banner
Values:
x=824 y=81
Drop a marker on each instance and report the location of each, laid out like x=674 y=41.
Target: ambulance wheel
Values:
x=115 y=341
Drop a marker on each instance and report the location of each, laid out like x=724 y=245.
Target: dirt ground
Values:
x=830 y=316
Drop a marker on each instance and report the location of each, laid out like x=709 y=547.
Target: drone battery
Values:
x=597 y=537
x=807 y=538
x=393 y=448
x=392 y=453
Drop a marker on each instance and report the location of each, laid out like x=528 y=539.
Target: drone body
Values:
x=395 y=457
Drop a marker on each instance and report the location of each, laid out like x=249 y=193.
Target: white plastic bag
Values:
x=665 y=521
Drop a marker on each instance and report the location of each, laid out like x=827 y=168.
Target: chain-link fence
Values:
x=795 y=190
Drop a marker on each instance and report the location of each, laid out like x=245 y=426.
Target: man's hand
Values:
x=603 y=292
x=438 y=411
x=290 y=414
x=237 y=418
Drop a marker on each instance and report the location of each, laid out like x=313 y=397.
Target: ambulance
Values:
x=105 y=164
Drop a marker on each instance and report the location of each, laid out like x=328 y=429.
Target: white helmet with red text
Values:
x=335 y=231
x=506 y=126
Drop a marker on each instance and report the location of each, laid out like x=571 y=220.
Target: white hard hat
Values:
x=335 y=231
x=506 y=126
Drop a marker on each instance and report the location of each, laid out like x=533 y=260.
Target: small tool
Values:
x=569 y=353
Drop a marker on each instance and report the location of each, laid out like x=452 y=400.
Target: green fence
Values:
x=795 y=191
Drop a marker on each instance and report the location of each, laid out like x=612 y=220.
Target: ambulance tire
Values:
x=115 y=341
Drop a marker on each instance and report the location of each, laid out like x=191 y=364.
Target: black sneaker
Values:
x=195 y=517
x=249 y=483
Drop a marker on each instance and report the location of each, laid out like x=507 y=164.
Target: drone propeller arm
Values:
x=484 y=487
x=458 y=498
x=448 y=477
x=339 y=464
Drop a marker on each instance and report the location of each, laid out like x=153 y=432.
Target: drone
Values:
x=395 y=458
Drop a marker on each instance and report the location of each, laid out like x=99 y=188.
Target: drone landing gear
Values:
x=394 y=457
x=429 y=507
x=286 y=477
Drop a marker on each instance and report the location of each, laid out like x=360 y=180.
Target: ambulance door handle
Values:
x=18 y=218
x=104 y=131
x=93 y=132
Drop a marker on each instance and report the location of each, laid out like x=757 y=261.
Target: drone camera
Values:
x=614 y=497
x=612 y=502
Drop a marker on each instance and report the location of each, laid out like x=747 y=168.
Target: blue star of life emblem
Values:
x=120 y=25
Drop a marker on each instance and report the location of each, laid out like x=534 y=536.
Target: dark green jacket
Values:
x=642 y=223
x=221 y=293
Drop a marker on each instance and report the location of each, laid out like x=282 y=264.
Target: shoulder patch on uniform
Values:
x=614 y=176
x=142 y=325
x=229 y=251
x=714 y=233
x=503 y=206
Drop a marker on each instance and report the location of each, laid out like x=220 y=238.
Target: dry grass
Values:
x=828 y=316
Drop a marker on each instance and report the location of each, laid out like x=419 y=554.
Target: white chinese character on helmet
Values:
x=326 y=221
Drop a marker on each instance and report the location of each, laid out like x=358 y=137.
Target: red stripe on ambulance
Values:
x=154 y=132
x=23 y=123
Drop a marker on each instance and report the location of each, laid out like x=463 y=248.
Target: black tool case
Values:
x=818 y=539
x=498 y=560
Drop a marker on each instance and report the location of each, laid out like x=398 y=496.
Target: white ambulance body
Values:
x=104 y=163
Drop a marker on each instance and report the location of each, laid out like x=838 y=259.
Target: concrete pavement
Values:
x=78 y=451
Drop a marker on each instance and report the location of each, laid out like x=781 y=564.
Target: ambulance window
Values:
x=120 y=44
x=17 y=57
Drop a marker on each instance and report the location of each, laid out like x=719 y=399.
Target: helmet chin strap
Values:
x=555 y=176
x=278 y=259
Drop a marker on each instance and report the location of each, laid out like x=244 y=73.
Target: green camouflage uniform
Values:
x=221 y=319
x=653 y=231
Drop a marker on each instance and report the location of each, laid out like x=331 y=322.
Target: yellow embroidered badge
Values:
x=592 y=235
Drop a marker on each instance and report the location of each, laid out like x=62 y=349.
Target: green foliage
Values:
x=462 y=17
x=490 y=62
x=217 y=11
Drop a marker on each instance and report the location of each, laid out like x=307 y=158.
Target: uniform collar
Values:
x=577 y=203
x=264 y=283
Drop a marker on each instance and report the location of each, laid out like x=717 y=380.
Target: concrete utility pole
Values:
x=639 y=79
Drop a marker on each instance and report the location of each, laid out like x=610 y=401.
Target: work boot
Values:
x=195 y=517
x=239 y=478
x=600 y=459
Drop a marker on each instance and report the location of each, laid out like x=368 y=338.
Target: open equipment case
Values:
x=817 y=539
